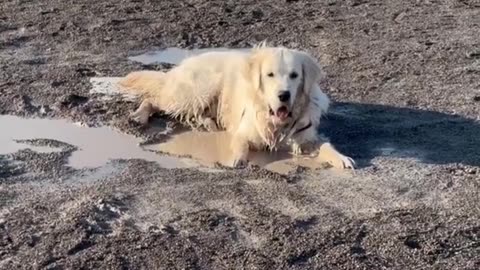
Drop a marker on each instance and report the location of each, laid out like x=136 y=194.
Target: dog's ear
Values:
x=311 y=71
x=255 y=62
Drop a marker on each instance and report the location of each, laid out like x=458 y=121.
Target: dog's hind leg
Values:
x=143 y=113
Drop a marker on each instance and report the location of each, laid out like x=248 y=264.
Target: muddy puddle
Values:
x=173 y=55
x=208 y=148
x=96 y=146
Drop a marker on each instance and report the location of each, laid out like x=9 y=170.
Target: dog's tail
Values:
x=144 y=83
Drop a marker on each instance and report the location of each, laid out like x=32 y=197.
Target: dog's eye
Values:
x=293 y=75
x=270 y=74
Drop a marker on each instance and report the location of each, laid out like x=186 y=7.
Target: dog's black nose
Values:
x=284 y=96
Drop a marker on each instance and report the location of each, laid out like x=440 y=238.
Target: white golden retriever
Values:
x=266 y=98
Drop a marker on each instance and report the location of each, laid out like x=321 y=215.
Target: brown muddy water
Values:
x=96 y=146
x=209 y=148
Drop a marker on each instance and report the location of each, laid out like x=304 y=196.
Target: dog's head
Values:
x=280 y=76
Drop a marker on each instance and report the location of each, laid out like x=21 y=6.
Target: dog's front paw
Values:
x=296 y=149
x=239 y=159
x=209 y=124
x=239 y=163
x=239 y=154
x=342 y=162
x=328 y=153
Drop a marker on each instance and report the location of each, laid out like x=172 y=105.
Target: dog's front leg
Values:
x=240 y=149
x=208 y=124
x=304 y=141
x=240 y=144
x=309 y=141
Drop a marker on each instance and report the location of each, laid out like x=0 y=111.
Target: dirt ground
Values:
x=406 y=79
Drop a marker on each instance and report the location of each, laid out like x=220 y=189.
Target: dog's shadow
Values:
x=367 y=131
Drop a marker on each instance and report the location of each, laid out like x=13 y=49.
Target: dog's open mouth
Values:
x=282 y=113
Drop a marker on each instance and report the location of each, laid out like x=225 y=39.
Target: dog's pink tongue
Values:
x=282 y=113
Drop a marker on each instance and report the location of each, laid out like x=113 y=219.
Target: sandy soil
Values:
x=405 y=74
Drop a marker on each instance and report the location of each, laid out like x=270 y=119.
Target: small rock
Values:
x=168 y=229
x=86 y=72
x=257 y=14
x=473 y=55
x=429 y=43
x=355 y=3
x=412 y=243
x=57 y=83
x=73 y=100
x=44 y=109
x=25 y=104
x=399 y=17
x=471 y=171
